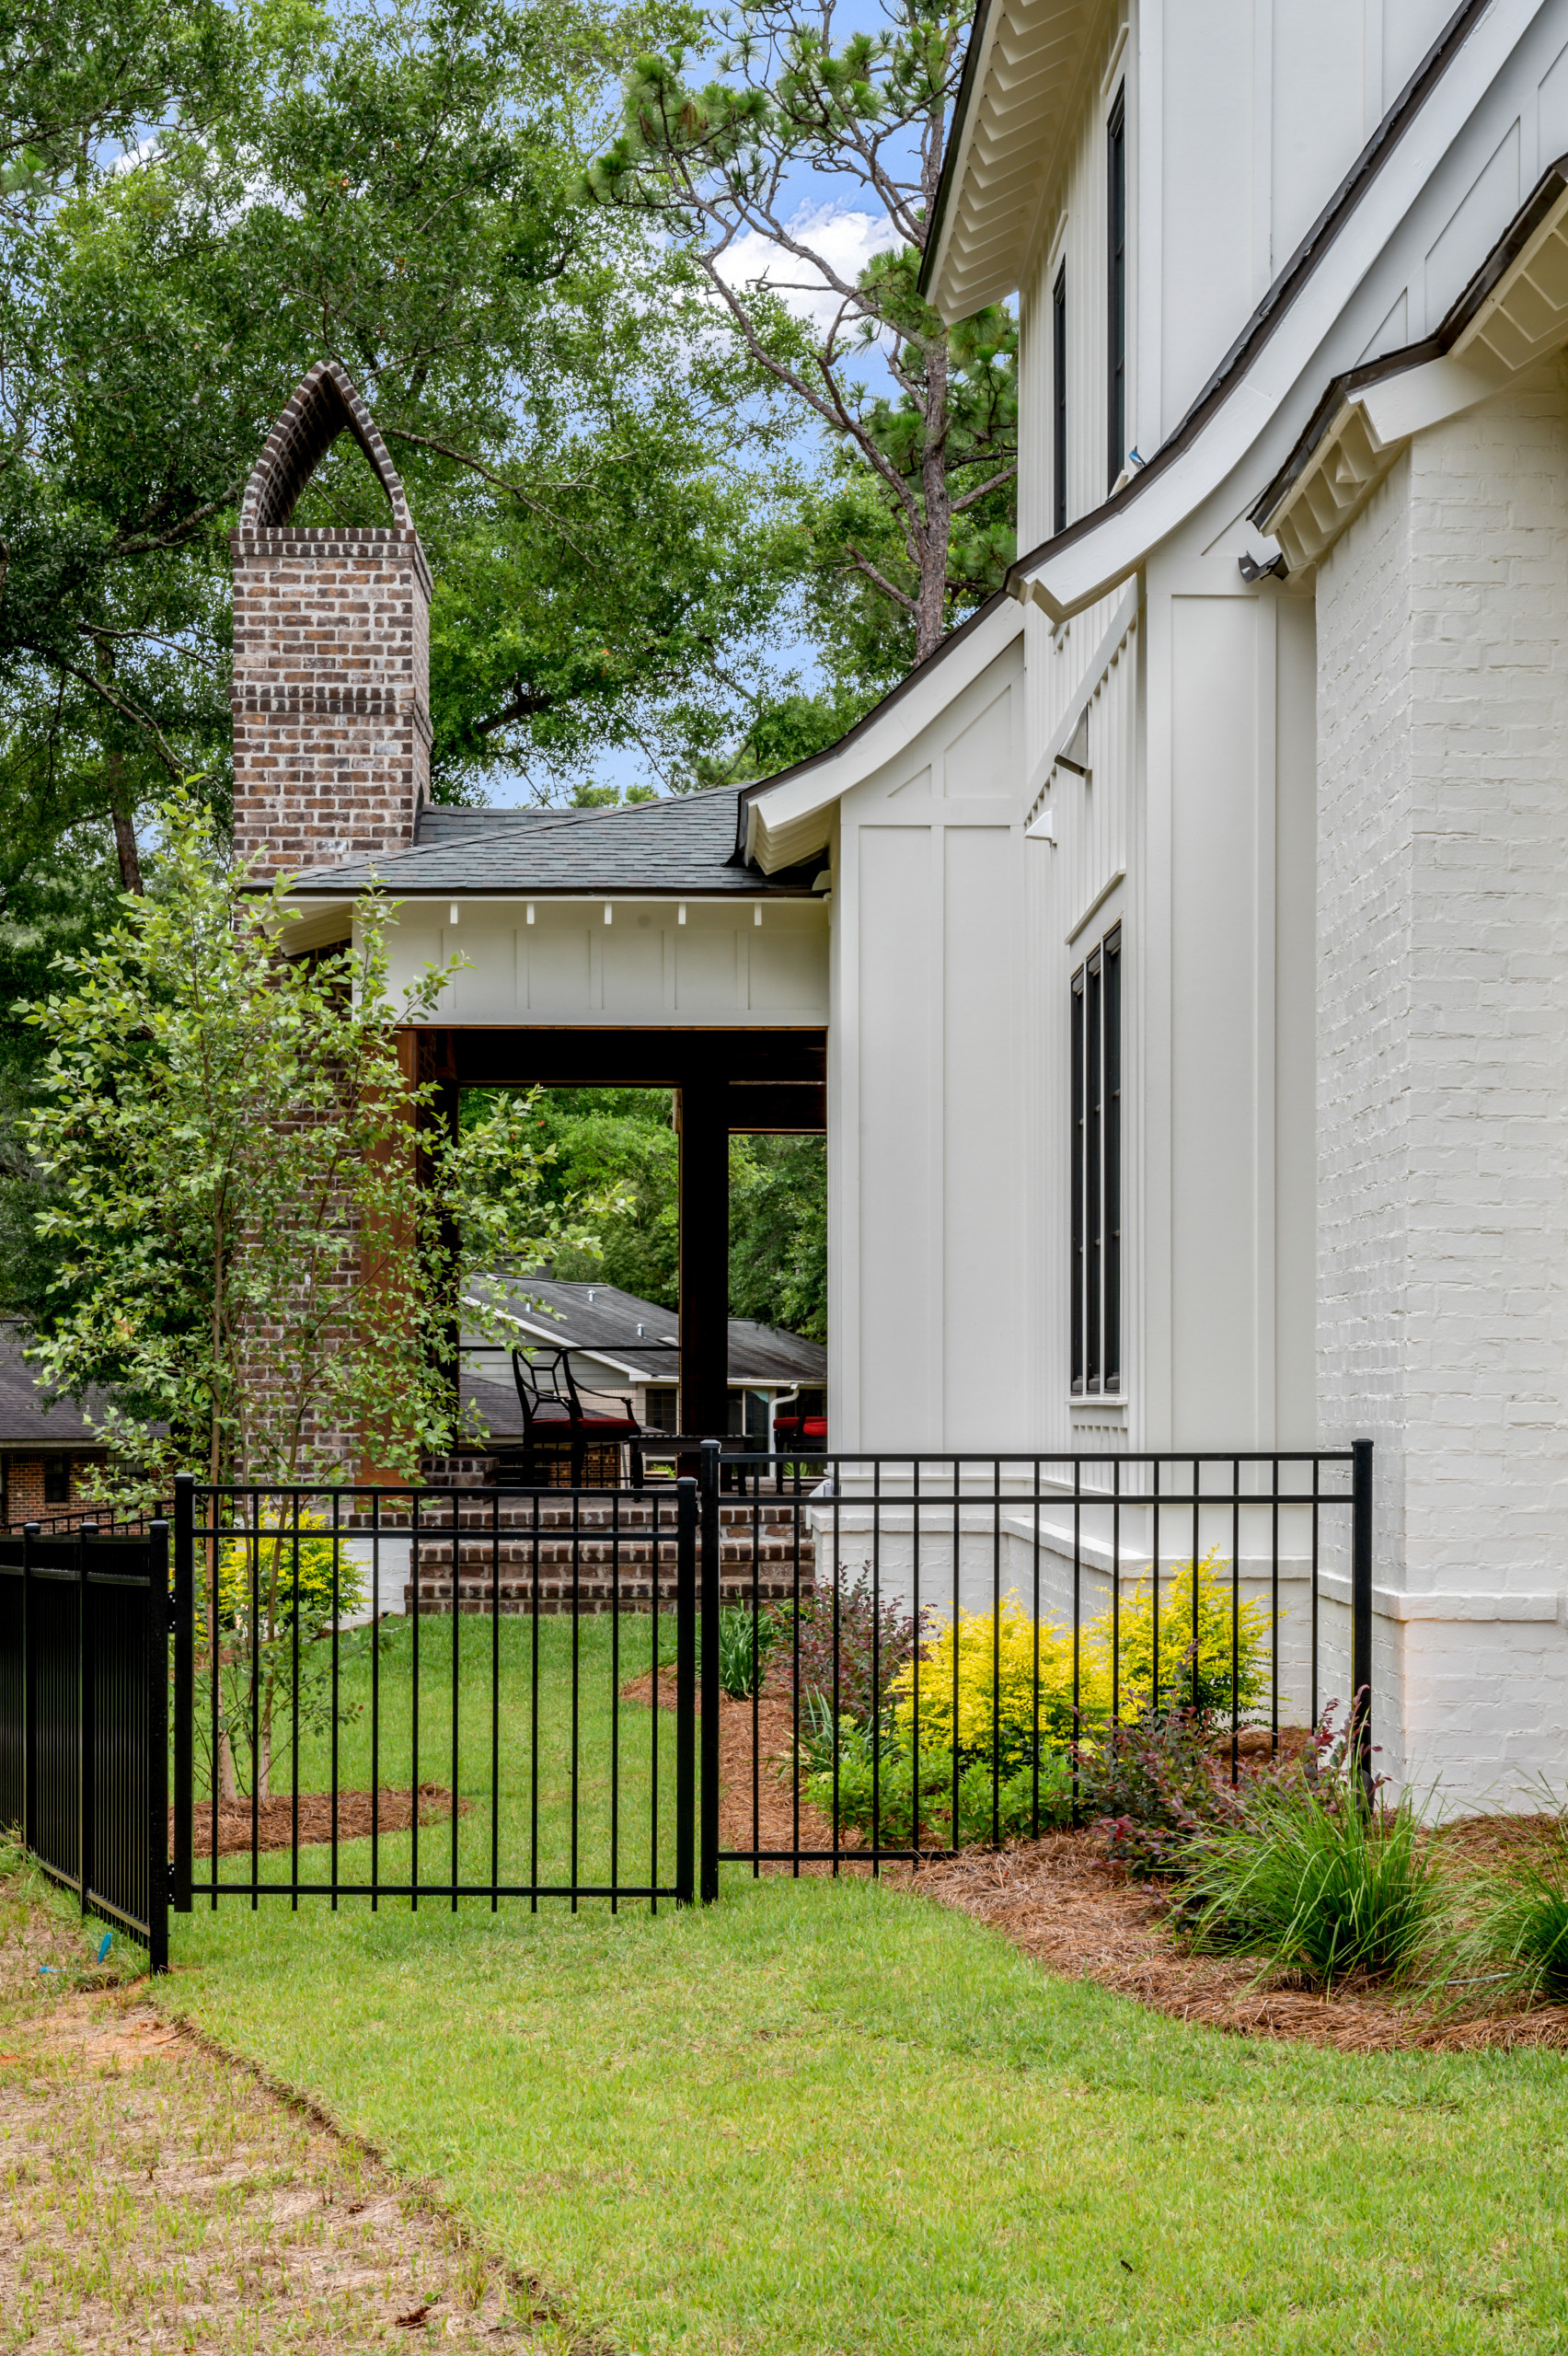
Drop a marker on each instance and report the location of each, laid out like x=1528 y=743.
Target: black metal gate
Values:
x=84 y=1718
x=488 y=1693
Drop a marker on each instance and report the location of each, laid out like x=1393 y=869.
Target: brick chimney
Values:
x=331 y=653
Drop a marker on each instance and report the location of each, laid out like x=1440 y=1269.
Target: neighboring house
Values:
x=1178 y=959
x=50 y=1461
x=625 y=1348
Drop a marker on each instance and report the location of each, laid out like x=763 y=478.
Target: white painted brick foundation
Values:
x=1443 y=1079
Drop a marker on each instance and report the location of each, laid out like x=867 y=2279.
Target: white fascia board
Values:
x=788 y=820
x=1095 y=563
x=1426 y=394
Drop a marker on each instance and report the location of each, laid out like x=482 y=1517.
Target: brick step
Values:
x=521 y=1521
x=591 y=1595
x=478 y=1553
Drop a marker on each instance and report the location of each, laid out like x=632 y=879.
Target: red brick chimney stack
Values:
x=331 y=653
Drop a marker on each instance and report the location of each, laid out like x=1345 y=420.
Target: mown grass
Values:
x=834 y=2120
x=590 y=1805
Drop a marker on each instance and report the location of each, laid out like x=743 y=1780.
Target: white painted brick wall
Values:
x=1443 y=1070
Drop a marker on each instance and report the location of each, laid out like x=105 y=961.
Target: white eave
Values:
x=1021 y=87
x=1523 y=319
x=790 y=821
x=1086 y=563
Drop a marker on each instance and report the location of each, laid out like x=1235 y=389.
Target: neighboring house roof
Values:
x=683 y=844
x=25 y=1421
x=633 y=1337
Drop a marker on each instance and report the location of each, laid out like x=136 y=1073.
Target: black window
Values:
x=1095 y=1193
x=1059 y=400
x=56 y=1480
x=1116 y=308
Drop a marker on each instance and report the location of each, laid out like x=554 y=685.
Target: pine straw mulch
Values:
x=1063 y=1903
x=275 y=1818
x=159 y=2196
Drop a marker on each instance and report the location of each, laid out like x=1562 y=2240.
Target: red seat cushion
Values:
x=609 y=1426
x=814 y=1427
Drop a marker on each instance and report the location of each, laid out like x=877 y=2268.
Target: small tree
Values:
x=255 y=1270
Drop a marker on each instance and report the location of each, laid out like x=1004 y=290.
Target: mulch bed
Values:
x=1063 y=1903
x=275 y=1818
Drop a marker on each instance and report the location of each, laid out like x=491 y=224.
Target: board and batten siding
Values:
x=644 y=966
x=930 y=1268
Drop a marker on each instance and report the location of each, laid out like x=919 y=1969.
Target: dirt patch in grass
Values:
x=1060 y=1901
x=356 y=1819
x=158 y=2197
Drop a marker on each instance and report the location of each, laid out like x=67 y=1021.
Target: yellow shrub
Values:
x=243 y=1561
x=982 y=1645
x=1210 y=1690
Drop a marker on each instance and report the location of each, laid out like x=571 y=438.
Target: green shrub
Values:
x=1523 y=1934
x=249 y=1567
x=1313 y=1882
x=887 y=1799
x=1004 y=1679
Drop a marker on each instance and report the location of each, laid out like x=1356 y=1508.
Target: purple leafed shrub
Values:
x=873 y=1637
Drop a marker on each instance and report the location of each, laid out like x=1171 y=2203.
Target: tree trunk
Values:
x=931 y=609
x=125 y=839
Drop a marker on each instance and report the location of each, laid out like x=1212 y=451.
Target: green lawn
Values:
x=835 y=2121
x=594 y=1752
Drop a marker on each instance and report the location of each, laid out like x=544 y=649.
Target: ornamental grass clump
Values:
x=1522 y=1939
x=1315 y=1882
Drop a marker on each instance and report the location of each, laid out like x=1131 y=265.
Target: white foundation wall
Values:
x=1442 y=1110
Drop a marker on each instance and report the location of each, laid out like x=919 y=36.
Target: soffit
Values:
x=1025 y=60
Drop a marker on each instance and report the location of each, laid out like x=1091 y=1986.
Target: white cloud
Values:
x=845 y=240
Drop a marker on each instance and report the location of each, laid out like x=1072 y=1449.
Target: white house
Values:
x=1188 y=938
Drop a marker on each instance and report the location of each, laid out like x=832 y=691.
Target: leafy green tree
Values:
x=918 y=523
x=616 y=1150
x=388 y=184
x=248 y=1263
x=250 y=1259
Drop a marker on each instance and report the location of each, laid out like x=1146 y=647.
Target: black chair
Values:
x=552 y=1410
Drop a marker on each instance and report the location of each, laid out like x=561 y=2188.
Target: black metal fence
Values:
x=355 y=1734
x=84 y=1718
x=825 y=1665
x=973 y=1626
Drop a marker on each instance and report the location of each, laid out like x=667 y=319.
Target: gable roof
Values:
x=1020 y=75
x=683 y=844
x=25 y=1419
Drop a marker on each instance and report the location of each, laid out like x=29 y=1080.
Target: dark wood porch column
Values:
x=705 y=1258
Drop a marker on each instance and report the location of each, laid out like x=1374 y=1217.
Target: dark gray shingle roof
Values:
x=602 y=1317
x=25 y=1421
x=684 y=843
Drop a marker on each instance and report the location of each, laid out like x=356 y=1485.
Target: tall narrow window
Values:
x=1116 y=290
x=1059 y=401
x=1095 y=1192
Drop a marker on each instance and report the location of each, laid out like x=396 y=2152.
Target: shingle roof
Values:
x=684 y=843
x=601 y=1318
x=25 y=1421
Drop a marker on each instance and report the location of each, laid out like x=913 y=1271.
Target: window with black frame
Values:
x=1116 y=289
x=1059 y=401
x=1095 y=1192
